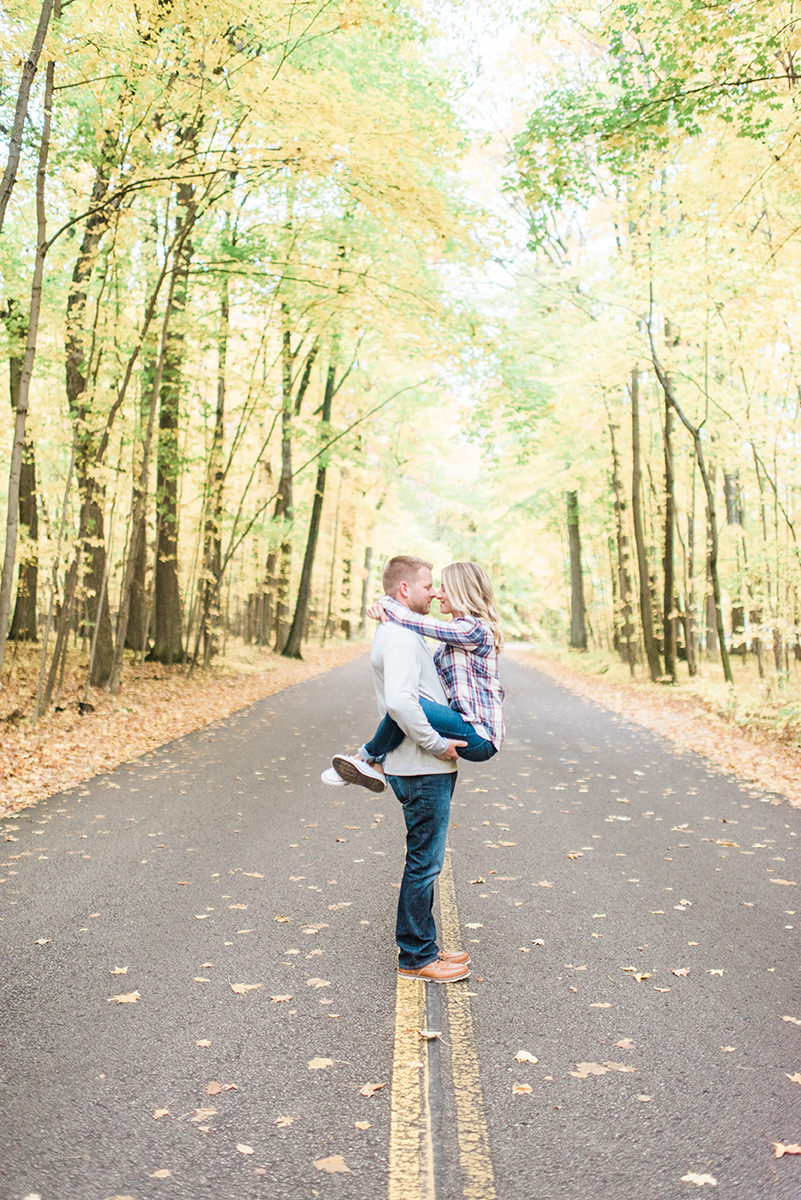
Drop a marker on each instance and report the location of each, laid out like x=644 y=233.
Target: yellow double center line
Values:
x=411 y=1146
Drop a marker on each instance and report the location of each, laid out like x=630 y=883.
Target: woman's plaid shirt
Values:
x=467 y=664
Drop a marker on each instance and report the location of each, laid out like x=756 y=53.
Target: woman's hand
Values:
x=376 y=613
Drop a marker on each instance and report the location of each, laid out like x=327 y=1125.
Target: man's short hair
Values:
x=403 y=568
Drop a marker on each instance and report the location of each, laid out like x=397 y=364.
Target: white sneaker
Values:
x=330 y=777
x=351 y=769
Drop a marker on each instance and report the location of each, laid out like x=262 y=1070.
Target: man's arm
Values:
x=402 y=691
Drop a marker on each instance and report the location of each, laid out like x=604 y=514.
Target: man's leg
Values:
x=426 y=801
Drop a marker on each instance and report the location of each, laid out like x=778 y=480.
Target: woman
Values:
x=467 y=663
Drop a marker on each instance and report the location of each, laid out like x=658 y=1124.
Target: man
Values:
x=421 y=772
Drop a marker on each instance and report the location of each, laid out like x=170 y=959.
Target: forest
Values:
x=287 y=290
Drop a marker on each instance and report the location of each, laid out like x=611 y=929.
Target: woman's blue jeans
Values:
x=446 y=721
x=426 y=801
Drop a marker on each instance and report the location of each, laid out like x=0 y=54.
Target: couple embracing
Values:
x=435 y=710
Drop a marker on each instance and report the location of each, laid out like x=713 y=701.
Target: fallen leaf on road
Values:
x=280 y=999
x=584 y=1070
x=42 y=942
x=681 y=971
x=203 y=1042
x=792 y=1020
x=162 y=1174
x=524 y=1056
x=319 y=1064
x=282 y=1122
x=785 y=882
x=202 y=1114
x=334 y=1164
x=118 y=971
x=428 y=1035
x=160 y=1112
x=610 y=1066
x=544 y=883
x=521 y=1089
x=794 y=1078
x=281 y=918
x=640 y=976
x=700 y=1180
x=370 y=1089
x=625 y=1044
x=600 y=1004
x=780 y=1149
x=125 y=998
x=241 y=988
x=214 y=1088
x=474 y=925
x=362 y=1125
x=243 y=1149
x=318 y=983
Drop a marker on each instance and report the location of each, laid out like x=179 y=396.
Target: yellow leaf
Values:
x=780 y=1149
x=524 y=1056
x=584 y=1070
x=160 y=1112
x=521 y=1089
x=241 y=988
x=334 y=1164
x=125 y=998
x=700 y=1180
x=794 y=1078
x=318 y=983
x=362 y=1125
x=319 y=1064
x=162 y=1174
x=118 y=971
x=370 y=1089
x=243 y=1149
x=282 y=1122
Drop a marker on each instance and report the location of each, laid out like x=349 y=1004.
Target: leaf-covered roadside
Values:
x=64 y=748
x=759 y=756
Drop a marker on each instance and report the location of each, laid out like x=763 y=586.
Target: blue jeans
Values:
x=447 y=722
x=426 y=801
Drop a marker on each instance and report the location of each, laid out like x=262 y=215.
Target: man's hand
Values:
x=450 y=753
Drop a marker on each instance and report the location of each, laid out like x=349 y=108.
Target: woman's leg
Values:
x=446 y=721
x=451 y=724
x=388 y=736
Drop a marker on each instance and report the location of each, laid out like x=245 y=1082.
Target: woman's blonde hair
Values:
x=470 y=591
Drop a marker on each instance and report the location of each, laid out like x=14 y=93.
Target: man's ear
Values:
x=403 y=589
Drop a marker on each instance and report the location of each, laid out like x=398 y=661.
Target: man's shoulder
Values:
x=390 y=632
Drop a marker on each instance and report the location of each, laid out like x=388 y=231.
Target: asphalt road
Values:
x=632 y=917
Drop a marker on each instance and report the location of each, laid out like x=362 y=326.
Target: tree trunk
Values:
x=624 y=624
x=292 y=648
x=712 y=529
x=21 y=109
x=168 y=625
x=21 y=416
x=669 y=613
x=23 y=623
x=646 y=611
x=578 y=614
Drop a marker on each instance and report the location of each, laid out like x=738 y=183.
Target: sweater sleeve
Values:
x=466 y=632
x=402 y=694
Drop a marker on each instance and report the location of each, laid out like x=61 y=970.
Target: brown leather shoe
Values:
x=436 y=972
x=454 y=956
